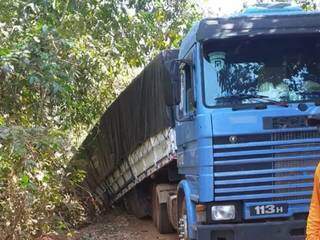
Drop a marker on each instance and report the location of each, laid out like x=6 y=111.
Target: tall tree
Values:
x=60 y=59
x=61 y=63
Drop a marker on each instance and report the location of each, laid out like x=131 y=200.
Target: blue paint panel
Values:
x=185 y=132
x=263 y=188
x=272 y=10
x=262 y=180
x=273 y=151
x=268 y=159
x=266 y=143
x=205 y=157
x=262 y=196
x=265 y=171
x=228 y=122
x=187 y=158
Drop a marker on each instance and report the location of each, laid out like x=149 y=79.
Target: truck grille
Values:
x=266 y=167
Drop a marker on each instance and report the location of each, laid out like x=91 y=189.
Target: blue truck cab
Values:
x=248 y=85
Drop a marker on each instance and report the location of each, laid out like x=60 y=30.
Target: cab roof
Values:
x=251 y=24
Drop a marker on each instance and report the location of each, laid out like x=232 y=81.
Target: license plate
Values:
x=269 y=209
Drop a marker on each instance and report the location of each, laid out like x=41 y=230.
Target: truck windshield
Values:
x=255 y=70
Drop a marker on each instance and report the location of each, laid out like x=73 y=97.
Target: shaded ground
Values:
x=118 y=225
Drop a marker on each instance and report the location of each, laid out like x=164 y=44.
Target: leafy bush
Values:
x=35 y=183
x=61 y=63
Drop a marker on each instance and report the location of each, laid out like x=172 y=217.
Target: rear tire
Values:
x=160 y=215
x=136 y=203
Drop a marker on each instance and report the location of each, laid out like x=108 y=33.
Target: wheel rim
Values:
x=183 y=223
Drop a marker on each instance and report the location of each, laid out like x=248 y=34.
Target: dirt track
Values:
x=118 y=225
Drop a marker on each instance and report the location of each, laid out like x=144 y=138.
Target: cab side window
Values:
x=187 y=105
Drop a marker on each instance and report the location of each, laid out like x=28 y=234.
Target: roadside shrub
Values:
x=35 y=184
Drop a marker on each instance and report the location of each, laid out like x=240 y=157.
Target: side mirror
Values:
x=173 y=84
x=183 y=62
x=174 y=89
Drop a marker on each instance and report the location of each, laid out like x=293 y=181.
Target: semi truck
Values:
x=218 y=139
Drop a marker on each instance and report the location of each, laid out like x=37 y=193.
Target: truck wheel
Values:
x=160 y=215
x=136 y=203
x=183 y=221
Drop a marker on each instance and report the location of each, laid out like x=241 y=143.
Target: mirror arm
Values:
x=184 y=61
x=190 y=117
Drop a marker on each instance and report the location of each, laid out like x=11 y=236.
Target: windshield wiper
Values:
x=241 y=97
x=316 y=94
x=312 y=97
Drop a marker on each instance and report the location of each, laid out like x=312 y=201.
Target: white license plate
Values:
x=269 y=209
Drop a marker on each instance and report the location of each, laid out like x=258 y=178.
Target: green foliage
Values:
x=61 y=63
x=60 y=60
x=34 y=183
x=307 y=5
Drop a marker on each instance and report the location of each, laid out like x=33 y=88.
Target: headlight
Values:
x=223 y=212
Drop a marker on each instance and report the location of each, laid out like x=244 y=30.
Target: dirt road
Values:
x=118 y=225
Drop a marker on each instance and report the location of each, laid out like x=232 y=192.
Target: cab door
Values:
x=185 y=123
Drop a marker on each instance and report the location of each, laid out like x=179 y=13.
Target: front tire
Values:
x=183 y=221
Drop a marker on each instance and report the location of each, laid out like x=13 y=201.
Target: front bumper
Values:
x=287 y=230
